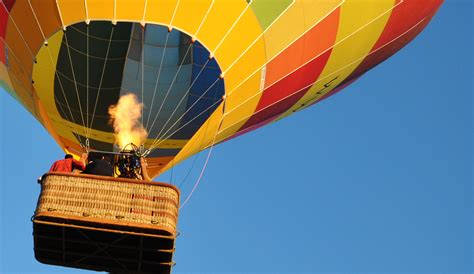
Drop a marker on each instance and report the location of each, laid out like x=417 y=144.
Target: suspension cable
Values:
x=161 y=62
x=143 y=65
x=181 y=100
x=220 y=42
x=196 y=184
x=157 y=141
x=87 y=76
x=190 y=121
x=203 y=19
x=170 y=87
x=75 y=82
x=196 y=157
x=101 y=79
x=52 y=62
x=157 y=79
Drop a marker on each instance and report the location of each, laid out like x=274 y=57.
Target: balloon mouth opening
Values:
x=168 y=71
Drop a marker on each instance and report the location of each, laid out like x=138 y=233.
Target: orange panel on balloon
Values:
x=315 y=42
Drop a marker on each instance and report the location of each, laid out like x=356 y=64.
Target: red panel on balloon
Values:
x=313 y=43
x=291 y=74
x=3 y=27
x=285 y=93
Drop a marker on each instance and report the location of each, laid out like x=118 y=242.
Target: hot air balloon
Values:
x=204 y=71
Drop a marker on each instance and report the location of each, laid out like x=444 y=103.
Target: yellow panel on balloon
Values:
x=160 y=11
x=4 y=77
x=130 y=10
x=249 y=65
x=241 y=105
x=316 y=11
x=203 y=138
x=44 y=73
x=72 y=11
x=244 y=34
x=243 y=85
x=360 y=28
x=100 y=9
x=223 y=14
x=190 y=14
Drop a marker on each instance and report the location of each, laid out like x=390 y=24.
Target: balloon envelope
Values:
x=205 y=70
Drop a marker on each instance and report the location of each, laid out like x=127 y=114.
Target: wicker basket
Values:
x=80 y=215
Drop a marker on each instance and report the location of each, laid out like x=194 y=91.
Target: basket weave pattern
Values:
x=111 y=200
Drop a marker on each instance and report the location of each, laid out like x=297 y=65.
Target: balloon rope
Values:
x=18 y=29
x=161 y=63
x=322 y=52
x=204 y=19
x=51 y=59
x=181 y=101
x=201 y=22
x=157 y=79
x=75 y=82
x=70 y=61
x=33 y=58
x=171 y=173
x=197 y=155
x=200 y=175
x=144 y=14
x=157 y=141
x=264 y=32
x=170 y=87
x=87 y=11
x=233 y=25
x=211 y=56
x=37 y=21
x=143 y=65
x=195 y=158
x=12 y=75
x=196 y=184
x=101 y=80
x=174 y=14
x=63 y=92
x=88 y=76
x=319 y=93
x=11 y=52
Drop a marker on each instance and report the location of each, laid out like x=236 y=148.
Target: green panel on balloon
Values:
x=268 y=10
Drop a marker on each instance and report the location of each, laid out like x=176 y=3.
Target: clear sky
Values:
x=377 y=178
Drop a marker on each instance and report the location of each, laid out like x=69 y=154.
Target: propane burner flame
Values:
x=125 y=118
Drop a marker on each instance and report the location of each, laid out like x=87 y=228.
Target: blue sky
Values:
x=377 y=178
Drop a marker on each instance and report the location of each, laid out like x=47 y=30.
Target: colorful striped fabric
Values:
x=205 y=70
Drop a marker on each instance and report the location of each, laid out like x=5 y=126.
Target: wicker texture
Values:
x=109 y=200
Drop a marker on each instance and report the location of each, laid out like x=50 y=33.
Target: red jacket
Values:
x=66 y=165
